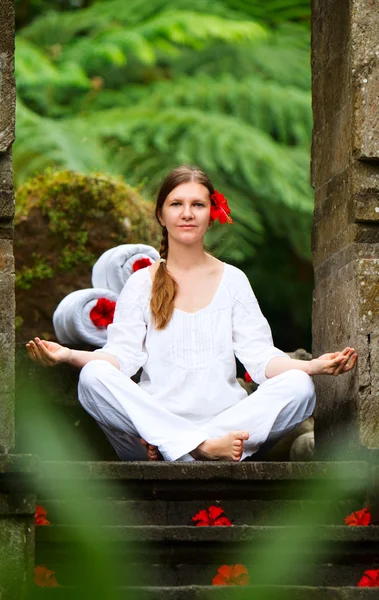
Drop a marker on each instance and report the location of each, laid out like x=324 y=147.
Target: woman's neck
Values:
x=185 y=258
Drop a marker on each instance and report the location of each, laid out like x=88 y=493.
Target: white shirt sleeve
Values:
x=252 y=339
x=127 y=333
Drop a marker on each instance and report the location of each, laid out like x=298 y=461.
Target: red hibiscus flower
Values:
x=102 y=313
x=232 y=575
x=141 y=263
x=369 y=579
x=247 y=377
x=359 y=517
x=43 y=577
x=219 y=208
x=40 y=516
x=211 y=517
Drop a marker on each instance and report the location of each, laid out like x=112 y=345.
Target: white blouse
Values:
x=190 y=365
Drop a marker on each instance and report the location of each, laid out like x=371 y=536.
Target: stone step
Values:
x=173 y=512
x=216 y=593
x=195 y=545
x=201 y=480
x=186 y=574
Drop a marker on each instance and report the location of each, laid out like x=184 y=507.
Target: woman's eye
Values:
x=199 y=204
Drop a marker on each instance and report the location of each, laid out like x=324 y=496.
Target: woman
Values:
x=183 y=320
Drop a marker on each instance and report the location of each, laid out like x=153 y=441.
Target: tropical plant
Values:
x=135 y=88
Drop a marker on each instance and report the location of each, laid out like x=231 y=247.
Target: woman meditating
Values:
x=184 y=319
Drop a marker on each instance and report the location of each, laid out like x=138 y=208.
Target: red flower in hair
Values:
x=102 y=313
x=247 y=377
x=219 y=208
x=359 y=517
x=141 y=263
x=232 y=575
x=211 y=517
x=369 y=579
x=40 y=516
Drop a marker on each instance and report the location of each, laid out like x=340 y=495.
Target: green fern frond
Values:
x=282 y=111
x=43 y=142
x=284 y=57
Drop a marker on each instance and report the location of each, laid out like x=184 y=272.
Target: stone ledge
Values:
x=19 y=463
x=194 y=592
x=179 y=471
x=61 y=534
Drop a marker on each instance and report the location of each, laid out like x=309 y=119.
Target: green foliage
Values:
x=135 y=88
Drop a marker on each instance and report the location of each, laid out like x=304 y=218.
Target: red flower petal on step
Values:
x=102 y=314
x=232 y=575
x=203 y=519
x=247 y=377
x=211 y=517
x=369 y=579
x=43 y=577
x=141 y=263
x=40 y=516
x=359 y=517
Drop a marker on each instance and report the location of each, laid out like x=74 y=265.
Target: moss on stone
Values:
x=64 y=221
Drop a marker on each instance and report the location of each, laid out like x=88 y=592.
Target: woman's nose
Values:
x=187 y=212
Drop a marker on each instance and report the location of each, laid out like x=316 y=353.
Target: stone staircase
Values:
x=288 y=529
x=125 y=530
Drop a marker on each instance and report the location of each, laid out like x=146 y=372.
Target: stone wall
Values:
x=345 y=175
x=7 y=312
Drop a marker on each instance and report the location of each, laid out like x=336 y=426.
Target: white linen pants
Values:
x=126 y=413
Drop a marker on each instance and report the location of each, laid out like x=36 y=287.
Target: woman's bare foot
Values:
x=152 y=451
x=226 y=447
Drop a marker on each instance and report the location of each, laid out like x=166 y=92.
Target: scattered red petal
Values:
x=141 y=263
x=247 y=377
x=40 y=516
x=232 y=575
x=359 y=518
x=370 y=579
x=43 y=577
x=211 y=517
x=102 y=314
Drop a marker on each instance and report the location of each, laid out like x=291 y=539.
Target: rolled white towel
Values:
x=83 y=317
x=115 y=266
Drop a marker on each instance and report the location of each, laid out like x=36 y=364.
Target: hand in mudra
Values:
x=47 y=354
x=334 y=363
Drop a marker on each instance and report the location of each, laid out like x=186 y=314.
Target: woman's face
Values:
x=186 y=212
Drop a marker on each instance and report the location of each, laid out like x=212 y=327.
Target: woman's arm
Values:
x=333 y=363
x=49 y=354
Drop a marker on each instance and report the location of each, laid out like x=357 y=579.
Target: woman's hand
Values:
x=47 y=354
x=333 y=363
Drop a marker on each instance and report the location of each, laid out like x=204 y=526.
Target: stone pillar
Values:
x=7 y=310
x=345 y=241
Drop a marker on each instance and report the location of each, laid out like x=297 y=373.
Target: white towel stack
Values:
x=72 y=321
x=72 y=318
x=115 y=266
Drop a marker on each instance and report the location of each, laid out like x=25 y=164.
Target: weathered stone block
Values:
x=16 y=556
x=346 y=313
x=365 y=192
x=331 y=151
x=332 y=93
x=7 y=87
x=6 y=185
x=6 y=257
x=365 y=69
x=330 y=31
